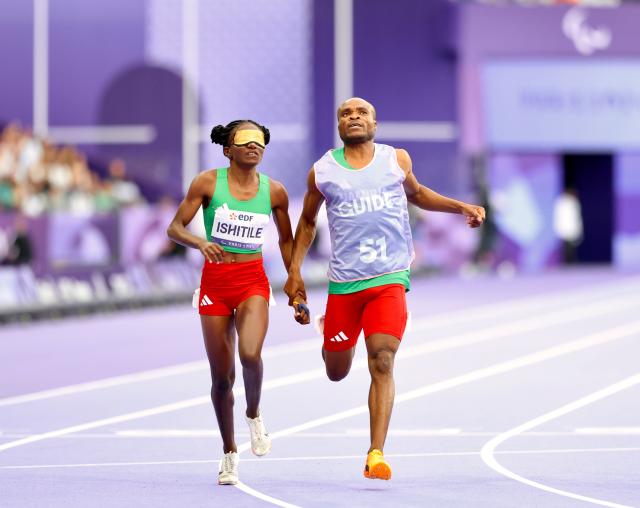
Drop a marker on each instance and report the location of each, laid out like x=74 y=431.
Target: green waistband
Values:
x=343 y=288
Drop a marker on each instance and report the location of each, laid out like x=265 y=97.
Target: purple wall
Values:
x=494 y=33
x=16 y=55
x=324 y=118
x=510 y=31
x=626 y=242
x=408 y=71
x=90 y=43
x=98 y=76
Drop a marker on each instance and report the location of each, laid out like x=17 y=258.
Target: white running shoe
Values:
x=260 y=440
x=228 y=469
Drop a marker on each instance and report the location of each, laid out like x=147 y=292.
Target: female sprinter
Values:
x=234 y=290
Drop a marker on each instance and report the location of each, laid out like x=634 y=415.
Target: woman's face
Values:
x=249 y=153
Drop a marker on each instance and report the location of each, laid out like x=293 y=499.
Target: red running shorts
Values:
x=381 y=309
x=224 y=286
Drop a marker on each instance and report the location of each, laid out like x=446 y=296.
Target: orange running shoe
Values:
x=376 y=467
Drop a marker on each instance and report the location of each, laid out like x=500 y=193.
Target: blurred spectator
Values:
x=124 y=191
x=36 y=176
x=484 y=255
x=567 y=223
x=19 y=249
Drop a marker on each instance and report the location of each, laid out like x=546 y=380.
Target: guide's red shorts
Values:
x=381 y=309
x=224 y=286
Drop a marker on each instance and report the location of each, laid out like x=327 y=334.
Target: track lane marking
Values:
x=487 y=453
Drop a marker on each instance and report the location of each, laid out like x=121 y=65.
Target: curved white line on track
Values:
x=504 y=330
x=325 y=457
x=165 y=408
x=263 y=497
x=590 y=293
x=487 y=452
x=587 y=342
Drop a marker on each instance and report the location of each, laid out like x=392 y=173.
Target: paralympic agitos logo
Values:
x=586 y=39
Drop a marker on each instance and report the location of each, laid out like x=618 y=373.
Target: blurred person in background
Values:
x=19 y=247
x=37 y=176
x=124 y=190
x=567 y=223
x=9 y=149
x=483 y=257
x=366 y=187
x=234 y=292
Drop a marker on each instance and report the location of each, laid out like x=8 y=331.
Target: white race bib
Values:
x=242 y=230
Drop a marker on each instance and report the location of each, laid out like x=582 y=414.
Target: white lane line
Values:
x=592 y=340
x=168 y=433
x=148 y=375
x=608 y=431
x=487 y=452
x=474 y=453
x=454 y=342
x=566 y=298
x=165 y=408
x=524 y=325
x=407 y=432
x=105 y=383
x=489 y=311
x=196 y=401
x=264 y=497
x=209 y=433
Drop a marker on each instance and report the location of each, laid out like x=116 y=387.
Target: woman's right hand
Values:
x=211 y=251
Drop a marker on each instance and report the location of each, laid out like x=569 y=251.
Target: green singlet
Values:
x=248 y=228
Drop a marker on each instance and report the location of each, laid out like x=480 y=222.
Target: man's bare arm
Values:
x=305 y=233
x=427 y=199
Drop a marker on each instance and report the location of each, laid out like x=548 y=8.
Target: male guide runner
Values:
x=366 y=187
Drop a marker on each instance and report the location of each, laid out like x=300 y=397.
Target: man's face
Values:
x=356 y=121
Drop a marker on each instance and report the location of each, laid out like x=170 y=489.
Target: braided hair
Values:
x=220 y=134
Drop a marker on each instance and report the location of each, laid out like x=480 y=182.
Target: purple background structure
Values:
x=120 y=63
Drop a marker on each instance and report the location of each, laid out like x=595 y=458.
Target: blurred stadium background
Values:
x=531 y=108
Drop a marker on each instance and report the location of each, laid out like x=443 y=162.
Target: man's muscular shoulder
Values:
x=404 y=160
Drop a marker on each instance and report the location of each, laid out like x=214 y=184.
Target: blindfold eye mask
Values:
x=244 y=137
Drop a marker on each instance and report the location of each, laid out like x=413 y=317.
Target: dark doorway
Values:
x=591 y=177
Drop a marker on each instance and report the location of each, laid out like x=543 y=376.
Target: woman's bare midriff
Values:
x=238 y=257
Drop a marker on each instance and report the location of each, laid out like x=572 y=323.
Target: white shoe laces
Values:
x=227 y=464
x=257 y=427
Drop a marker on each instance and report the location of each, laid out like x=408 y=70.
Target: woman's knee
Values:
x=250 y=359
x=223 y=383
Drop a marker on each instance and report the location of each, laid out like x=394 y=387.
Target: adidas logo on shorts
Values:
x=205 y=301
x=341 y=337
